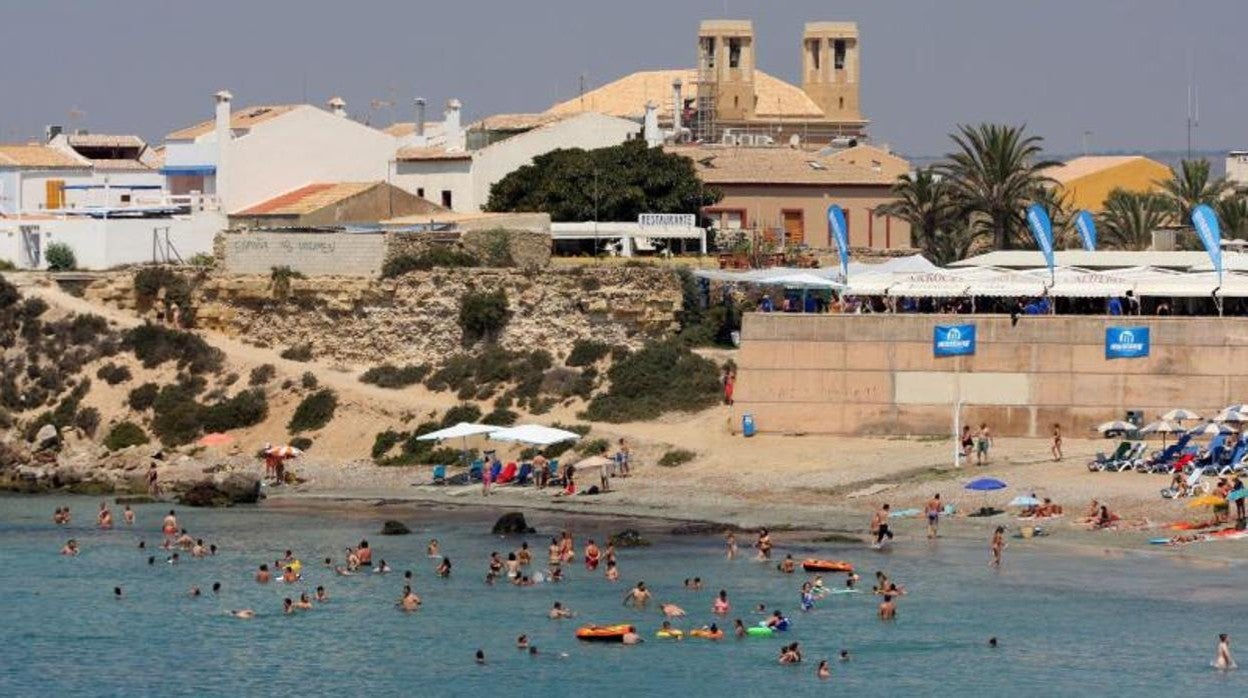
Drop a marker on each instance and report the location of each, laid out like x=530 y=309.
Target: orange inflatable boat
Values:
x=812 y=565
x=603 y=633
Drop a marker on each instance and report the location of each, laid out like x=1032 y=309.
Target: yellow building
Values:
x=1087 y=181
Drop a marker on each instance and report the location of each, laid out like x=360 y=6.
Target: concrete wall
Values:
x=764 y=206
x=103 y=244
x=875 y=374
x=313 y=254
x=435 y=176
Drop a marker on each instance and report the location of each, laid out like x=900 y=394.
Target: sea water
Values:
x=1068 y=624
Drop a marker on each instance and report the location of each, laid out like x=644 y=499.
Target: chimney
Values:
x=221 y=127
x=650 y=126
x=450 y=126
x=420 y=117
x=676 y=109
x=337 y=106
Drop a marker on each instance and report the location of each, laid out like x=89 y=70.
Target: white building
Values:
x=1237 y=168
x=125 y=171
x=457 y=167
x=248 y=156
x=33 y=178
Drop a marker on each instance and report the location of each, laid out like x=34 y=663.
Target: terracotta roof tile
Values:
x=517 y=122
x=103 y=140
x=239 y=119
x=38 y=156
x=307 y=199
x=434 y=153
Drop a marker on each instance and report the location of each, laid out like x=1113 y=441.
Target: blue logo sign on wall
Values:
x=1126 y=342
x=953 y=340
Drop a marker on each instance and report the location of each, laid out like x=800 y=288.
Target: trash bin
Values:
x=747 y=424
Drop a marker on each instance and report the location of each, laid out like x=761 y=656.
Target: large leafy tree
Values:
x=925 y=200
x=1129 y=219
x=996 y=171
x=1189 y=186
x=607 y=184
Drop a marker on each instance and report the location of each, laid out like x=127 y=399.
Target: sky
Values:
x=1115 y=73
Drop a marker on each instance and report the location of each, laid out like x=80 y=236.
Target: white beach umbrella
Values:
x=461 y=430
x=1179 y=415
x=1232 y=415
x=1119 y=425
x=1163 y=427
x=534 y=435
x=1210 y=429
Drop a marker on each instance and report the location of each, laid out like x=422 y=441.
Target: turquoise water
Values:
x=1068 y=624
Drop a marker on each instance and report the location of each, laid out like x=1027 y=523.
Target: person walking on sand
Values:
x=1223 y=661
x=933 y=510
x=1056 y=448
x=967 y=442
x=998 y=547
x=982 y=443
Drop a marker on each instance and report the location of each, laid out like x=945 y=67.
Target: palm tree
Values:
x=1058 y=205
x=1189 y=186
x=1129 y=219
x=995 y=173
x=1233 y=213
x=925 y=201
x=958 y=241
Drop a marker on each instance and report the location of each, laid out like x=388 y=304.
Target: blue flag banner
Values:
x=953 y=340
x=840 y=236
x=1126 y=342
x=1086 y=225
x=1206 y=223
x=1042 y=231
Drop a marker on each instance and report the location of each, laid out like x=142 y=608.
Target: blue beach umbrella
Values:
x=985 y=484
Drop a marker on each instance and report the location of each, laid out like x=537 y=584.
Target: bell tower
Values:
x=726 y=68
x=830 y=68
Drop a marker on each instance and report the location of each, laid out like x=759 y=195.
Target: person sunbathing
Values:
x=1105 y=519
x=1092 y=514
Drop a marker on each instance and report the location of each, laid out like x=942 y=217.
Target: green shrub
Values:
x=142 y=397
x=279 y=279
x=586 y=352
x=32 y=428
x=9 y=295
x=245 y=409
x=178 y=422
x=501 y=418
x=299 y=352
x=87 y=328
x=261 y=375
x=582 y=429
x=88 y=420
x=149 y=281
x=6 y=265
x=302 y=443
x=123 y=435
x=661 y=377
x=203 y=259
x=156 y=344
x=675 y=457
x=314 y=411
x=565 y=382
x=466 y=412
x=482 y=315
x=391 y=376
x=308 y=380
x=113 y=374
x=594 y=447
x=386 y=440
x=60 y=257
x=434 y=257
x=497 y=248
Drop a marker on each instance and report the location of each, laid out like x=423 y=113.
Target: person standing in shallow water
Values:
x=932 y=510
x=1223 y=661
x=998 y=547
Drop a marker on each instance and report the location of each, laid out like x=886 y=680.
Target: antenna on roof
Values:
x=1193 y=104
x=581 y=93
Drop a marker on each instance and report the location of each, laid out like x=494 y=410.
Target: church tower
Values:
x=830 y=68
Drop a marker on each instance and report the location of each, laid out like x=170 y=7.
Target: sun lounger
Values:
x=495 y=471
x=439 y=474
x=475 y=471
x=525 y=474
x=1103 y=460
x=507 y=474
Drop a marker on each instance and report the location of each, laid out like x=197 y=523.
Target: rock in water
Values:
x=204 y=494
x=512 y=522
x=629 y=538
x=394 y=528
x=235 y=488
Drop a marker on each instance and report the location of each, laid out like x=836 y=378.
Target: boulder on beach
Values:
x=703 y=528
x=394 y=528
x=46 y=437
x=235 y=488
x=512 y=522
x=629 y=538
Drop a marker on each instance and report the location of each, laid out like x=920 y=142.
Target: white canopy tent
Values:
x=534 y=435
x=804 y=280
x=461 y=430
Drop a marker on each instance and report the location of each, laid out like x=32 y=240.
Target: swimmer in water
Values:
x=1223 y=661
x=382 y=568
x=409 y=601
x=522 y=642
x=105 y=517
x=304 y=603
x=169 y=526
x=70 y=548
x=592 y=555
x=513 y=566
x=195 y=594
x=321 y=596
x=558 y=612
x=888 y=609
x=216 y=587
x=671 y=610
x=787 y=565
x=432 y=549
x=638 y=596
x=844 y=657
x=732 y=545
x=364 y=553
x=824 y=672
x=198 y=550
x=244 y=613
x=263 y=576
x=343 y=571
x=288 y=606
x=807 y=597
x=613 y=572
x=444 y=568
x=127 y=515
x=524 y=555
x=289 y=576
x=720 y=605
x=480 y=657
x=764 y=545
x=173 y=559
x=556 y=574
x=738 y=628
x=117 y=593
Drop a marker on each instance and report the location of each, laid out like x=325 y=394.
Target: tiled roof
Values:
x=1089 y=164
x=872 y=158
x=307 y=199
x=401 y=129
x=434 y=153
x=774 y=165
x=103 y=140
x=627 y=96
x=517 y=122
x=119 y=164
x=239 y=119
x=38 y=156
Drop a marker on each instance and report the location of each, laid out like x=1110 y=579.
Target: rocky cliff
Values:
x=414 y=318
